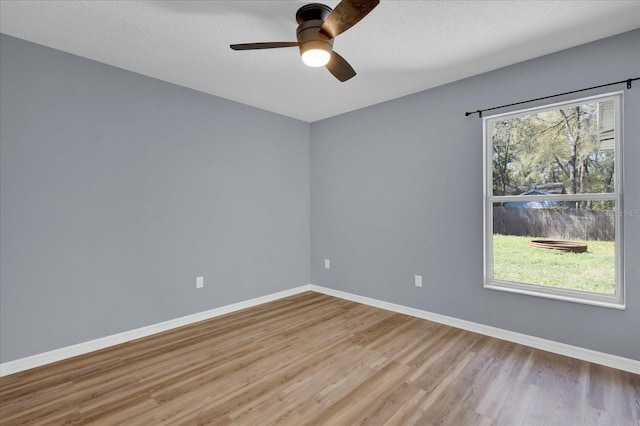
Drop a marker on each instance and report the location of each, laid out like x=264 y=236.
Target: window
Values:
x=553 y=199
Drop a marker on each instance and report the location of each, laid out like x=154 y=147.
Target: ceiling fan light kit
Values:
x=315 y=56
x=318 y=25
x=315 y=46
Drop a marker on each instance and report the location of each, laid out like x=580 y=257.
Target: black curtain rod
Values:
x=480 y=111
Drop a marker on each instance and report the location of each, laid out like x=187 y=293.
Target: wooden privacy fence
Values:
x=567 y=224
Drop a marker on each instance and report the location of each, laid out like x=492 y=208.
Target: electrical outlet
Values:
x=199 y=282
x=418 y=281
x=327 y=264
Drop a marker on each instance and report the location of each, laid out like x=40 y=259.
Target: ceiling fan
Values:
x=318 y=25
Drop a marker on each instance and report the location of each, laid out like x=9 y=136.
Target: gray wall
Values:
x=396 y=190
x=118 y=190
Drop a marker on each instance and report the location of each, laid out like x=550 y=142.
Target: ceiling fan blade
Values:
x=346 y=14
x=340 y=68
x=268 y=45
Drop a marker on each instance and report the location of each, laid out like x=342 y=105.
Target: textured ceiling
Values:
x=402 y=47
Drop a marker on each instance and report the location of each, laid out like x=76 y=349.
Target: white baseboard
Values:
x=589 y=355
x=38 y=360
x=614 y=361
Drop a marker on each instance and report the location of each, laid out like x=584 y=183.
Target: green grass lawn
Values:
x=594 y=271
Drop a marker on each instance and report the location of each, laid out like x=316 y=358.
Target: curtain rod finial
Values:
x=479 y=112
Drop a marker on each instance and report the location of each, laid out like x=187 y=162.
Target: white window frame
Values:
x=616 y=300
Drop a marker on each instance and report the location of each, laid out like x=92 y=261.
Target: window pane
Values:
x=568 y=150
x=587 y=233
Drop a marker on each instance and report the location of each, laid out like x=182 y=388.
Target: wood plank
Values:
x=315 y=359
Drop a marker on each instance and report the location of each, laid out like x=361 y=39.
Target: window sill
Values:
x=604 y=301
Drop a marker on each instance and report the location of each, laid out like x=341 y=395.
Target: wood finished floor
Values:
x=315 y=359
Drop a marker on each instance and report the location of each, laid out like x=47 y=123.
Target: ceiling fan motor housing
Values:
x=310 y=19
x=313 y=12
